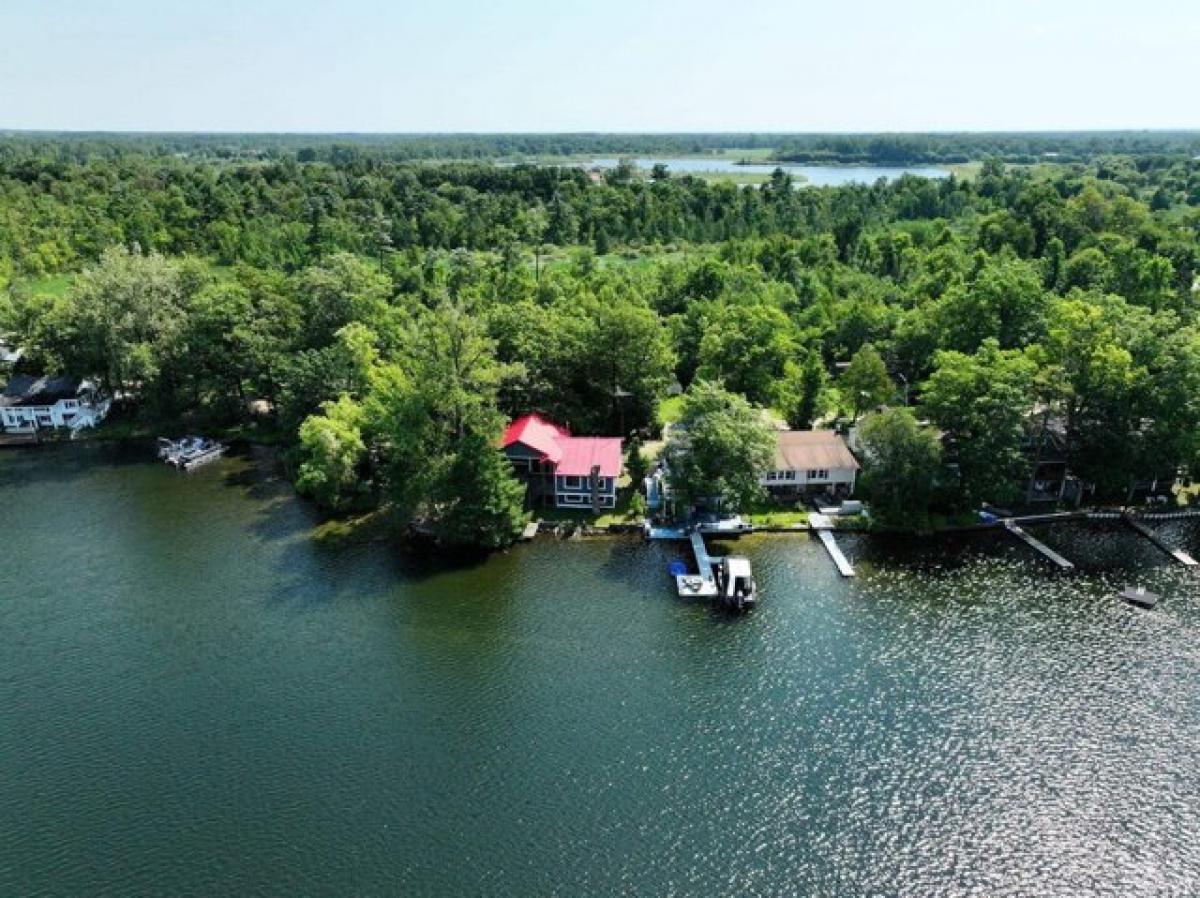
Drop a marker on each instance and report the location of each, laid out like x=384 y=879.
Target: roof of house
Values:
x=25 y=390
x=581 y=454
x=572 y=456
x=538 y=434
x=809 y=450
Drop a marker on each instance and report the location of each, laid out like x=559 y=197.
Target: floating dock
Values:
x=823 y=527
x=1014 y=528
x=704 y=584
x=1139 y=596
x=1178 y=554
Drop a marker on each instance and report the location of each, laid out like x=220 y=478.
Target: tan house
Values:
x=811 y=461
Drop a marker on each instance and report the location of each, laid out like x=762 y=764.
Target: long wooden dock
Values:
x=823 y=527
x=1178 y=554
x=1015 y=529
x=704 y=561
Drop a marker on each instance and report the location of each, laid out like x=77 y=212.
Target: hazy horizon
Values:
x=369 y=67
x=594 y=132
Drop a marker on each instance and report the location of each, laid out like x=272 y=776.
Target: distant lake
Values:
x=814 y=175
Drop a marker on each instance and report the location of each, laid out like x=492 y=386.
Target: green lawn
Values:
x=581 y=516
x=766 y=513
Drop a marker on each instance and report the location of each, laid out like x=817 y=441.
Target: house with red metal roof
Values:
x=563 y=470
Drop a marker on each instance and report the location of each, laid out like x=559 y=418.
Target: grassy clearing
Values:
x=965 y=171
x=766 y=513
x=744 y=178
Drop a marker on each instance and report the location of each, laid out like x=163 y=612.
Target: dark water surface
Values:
x=199 y=698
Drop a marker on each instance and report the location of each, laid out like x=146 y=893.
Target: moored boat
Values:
x=189 y=452
x=738 y=589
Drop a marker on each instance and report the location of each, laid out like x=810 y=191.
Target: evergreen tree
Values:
x=478 y=501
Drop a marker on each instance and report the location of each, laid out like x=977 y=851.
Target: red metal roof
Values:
x=572 y=456
x=581 y=454
x=538 y=434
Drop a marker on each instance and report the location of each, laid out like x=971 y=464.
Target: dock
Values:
x=666 y=533
x=823 y=526
x=703 y=583
x=1014 y=528
x=1178 y=554
x=20 y=438
x=706 y=587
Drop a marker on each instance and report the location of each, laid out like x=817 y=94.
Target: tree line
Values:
x=393 y=316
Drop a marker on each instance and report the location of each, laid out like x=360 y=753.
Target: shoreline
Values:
x=263 y=453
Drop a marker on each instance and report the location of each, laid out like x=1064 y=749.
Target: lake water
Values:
x=813 y=175
x=198 y=697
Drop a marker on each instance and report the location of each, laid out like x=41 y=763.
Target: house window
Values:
x=773 y=475
x=571 y=499
x=572 y=483
x=819 y=474
x=789 y=475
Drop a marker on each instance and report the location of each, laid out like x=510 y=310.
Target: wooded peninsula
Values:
x=382 y=306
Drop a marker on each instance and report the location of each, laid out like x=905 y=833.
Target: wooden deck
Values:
x=1178 y=554
x=823 y=527
x=1015 y=529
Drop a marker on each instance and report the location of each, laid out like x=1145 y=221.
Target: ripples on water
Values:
x=207 y=701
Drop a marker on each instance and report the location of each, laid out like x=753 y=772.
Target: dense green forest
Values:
x=882 y=149
x=392 y=315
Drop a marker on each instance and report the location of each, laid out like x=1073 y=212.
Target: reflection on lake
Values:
x=198 y=697
x=813 y=175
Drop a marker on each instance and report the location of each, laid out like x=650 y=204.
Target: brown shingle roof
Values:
x=808 y=450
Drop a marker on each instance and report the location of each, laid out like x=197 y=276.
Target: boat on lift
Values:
x=189 y=452
x=738 y=590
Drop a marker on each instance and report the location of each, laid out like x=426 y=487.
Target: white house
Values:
x=569 y=471
x=811 y=461
x=8 y=355
x=32 y=403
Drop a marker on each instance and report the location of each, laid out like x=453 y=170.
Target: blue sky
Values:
x=534 y=65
